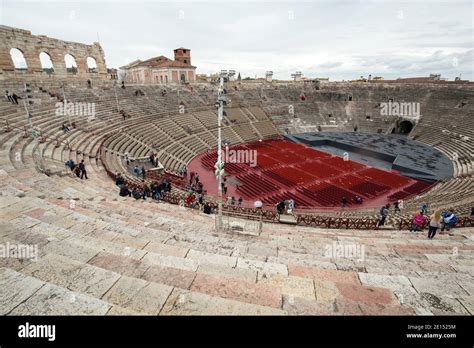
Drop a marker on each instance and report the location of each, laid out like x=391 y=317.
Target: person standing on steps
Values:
x=82 y=168
x=343 y=202
x=383 y=214
x=15 y=98
x=435 y=222
x=8 y=96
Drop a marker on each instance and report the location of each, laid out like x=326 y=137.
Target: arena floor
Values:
x=314 y=179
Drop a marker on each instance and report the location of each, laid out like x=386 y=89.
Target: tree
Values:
x=238 y=77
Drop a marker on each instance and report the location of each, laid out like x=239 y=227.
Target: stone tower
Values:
x=183 y=55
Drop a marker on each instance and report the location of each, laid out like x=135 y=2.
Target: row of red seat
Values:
x=254 y=185
x=300 y=200
x=384 y=177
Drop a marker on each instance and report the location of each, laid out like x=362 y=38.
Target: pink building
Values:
x=162 y=70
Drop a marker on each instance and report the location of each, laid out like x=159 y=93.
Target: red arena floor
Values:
x=312 y=178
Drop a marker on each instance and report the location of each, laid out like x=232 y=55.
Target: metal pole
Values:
x=219 y=152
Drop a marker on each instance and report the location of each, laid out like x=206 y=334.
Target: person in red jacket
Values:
x=417 y=222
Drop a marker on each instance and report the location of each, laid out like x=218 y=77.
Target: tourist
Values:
x=449 y=220
x=384 y=211
x=152 y=158
x=119 y=180
x=258 y=204
x=435 y=222
x=240 y=201
x=417 y=222
x=424 y=208
x=70 y=164
x=281 y=207
x=291 y=206
x=15 y=98
x=199 y=188
x=64 y=128
x=397 y=206
x=343 y=202
x=157 y=191
x=77 y=171
x=196 y=179
x=82 y=168
x=8 y=96
x=136 y=193
x=207 y=208
x=146 y=190
x=124 y=191
x=200 y=200
x=143 y=172
x=190 y=200
x=167 y=187
x=136 y=171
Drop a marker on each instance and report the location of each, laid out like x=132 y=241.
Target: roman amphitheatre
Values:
x=317 y=143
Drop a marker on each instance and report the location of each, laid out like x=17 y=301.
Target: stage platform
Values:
x=389 y=152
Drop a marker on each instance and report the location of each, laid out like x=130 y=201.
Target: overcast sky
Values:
x=335 y=39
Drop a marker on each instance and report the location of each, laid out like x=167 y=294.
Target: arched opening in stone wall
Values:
x=405 y=127
x=18 y=59
x=91 y=64
x=46 y=62
x=183 y=77
x=71 y=65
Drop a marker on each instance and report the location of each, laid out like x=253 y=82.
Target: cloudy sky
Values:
x=322 y=38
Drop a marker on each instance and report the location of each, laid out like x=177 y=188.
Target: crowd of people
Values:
x=444 y=220
x=142 y=191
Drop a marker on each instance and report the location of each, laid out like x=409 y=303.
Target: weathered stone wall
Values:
x=32 y=45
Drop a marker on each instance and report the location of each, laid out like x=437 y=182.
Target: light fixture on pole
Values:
x=219 y=166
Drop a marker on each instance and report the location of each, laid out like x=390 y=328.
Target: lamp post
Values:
x=221 y=101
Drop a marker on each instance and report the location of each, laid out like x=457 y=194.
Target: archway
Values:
x=405 y=127
x=71 y=65
x=91 y=64
x=46 y=62
x=18 y=59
